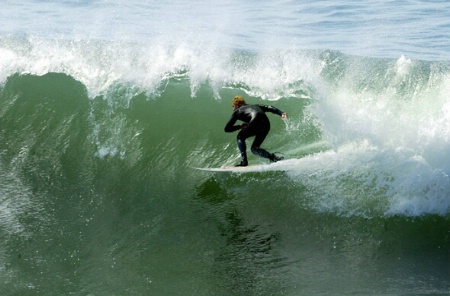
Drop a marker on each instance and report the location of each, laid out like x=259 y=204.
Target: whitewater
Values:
x=106 y=106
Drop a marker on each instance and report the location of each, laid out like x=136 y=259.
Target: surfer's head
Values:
x=237 y=102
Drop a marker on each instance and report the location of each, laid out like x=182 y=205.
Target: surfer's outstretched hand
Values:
x=284 y=116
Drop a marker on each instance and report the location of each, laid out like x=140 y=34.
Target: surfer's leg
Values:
x=243 y=149
x=266 y=154
x=256 y=149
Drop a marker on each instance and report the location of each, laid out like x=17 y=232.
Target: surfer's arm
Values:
x=273 y=110
x=230 y=127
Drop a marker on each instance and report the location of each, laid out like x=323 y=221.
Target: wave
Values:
x=82 y=116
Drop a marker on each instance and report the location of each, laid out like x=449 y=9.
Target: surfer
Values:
x=255 y=124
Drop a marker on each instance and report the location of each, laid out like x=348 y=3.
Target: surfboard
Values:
x=276 y=166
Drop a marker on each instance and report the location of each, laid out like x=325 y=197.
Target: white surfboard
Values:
x=276 y=166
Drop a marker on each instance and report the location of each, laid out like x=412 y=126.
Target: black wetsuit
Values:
x=258 y=125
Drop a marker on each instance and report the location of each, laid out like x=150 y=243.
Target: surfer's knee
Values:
x=255 y=150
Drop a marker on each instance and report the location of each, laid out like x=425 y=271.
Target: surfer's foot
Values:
x=274 y=158
x=243 y=163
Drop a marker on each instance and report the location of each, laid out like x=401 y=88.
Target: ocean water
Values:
x=106 y=107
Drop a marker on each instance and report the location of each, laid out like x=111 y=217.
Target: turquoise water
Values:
x=106 y=107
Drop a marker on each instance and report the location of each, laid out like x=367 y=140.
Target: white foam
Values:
x=396 y=136
x=145 y=67
x=359 y=179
